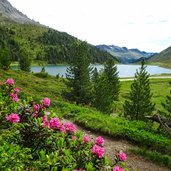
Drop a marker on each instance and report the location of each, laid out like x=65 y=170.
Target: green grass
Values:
x=135 y=131
x=139 y=133
x=164 y=160
x=37 y=87
x=53 y=87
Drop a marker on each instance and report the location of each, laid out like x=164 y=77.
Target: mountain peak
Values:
x=123 y=54
x=11 y=13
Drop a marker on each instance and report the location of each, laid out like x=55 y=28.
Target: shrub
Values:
x=41 y=74
x=43 y=140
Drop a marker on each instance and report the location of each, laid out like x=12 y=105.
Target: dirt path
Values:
x=133 y=162
x=151 y=77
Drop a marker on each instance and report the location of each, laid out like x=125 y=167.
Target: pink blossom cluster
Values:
x=117 y=168
x=45 y=121
x=122 y=156
x=13 y=117
x=62 y=128
x=14 y=92
x=14 y=97
x=10 y=81
x=70 y=127
x=46 y=102
x=79 y=170
x=99 y=141
x=39 y=108
x=36 y=107
x=17 y=90
x=55 y=123
x=86 y=139
x=98 y=151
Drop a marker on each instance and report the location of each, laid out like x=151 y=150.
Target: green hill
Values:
x=42 y=43
x=163 y=58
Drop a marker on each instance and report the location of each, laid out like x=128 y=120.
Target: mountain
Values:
x=123 y=54
x=9 y=12
x=21 y=35
x=162 y=57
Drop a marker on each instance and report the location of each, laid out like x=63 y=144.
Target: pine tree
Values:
x=139 y=104
x=24 y=61
x=112 y=79
x=106 y=87
x=78 y=74
x=95 y=76
x=5 y=58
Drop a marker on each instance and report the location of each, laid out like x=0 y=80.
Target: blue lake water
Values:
x=124 y=70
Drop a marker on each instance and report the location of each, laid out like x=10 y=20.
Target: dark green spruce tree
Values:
x=106 y=87
x=24 y=61
x=5 y=58
x=139 y=103
x=78 y=74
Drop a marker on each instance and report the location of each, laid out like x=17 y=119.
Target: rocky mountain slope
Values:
x=7 y=11
x=123 y=54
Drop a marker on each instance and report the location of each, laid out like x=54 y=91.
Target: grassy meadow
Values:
x=140 y=133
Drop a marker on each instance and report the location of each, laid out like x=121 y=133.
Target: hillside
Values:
x=10 y=13
x=135 y=131
x=18 y=33
x=163 y=58
x=123 y=54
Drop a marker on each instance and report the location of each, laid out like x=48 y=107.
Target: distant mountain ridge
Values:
x=125 y=55
x=9 y=12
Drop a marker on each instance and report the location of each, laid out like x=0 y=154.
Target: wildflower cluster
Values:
x=11 y=90
x=98 y=148
x=13 y=117
x=54 y=144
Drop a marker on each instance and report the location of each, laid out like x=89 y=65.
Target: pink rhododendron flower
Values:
x=122 y=156
x=62 y=129
x=10 y=81
x=36 y=107
x=70 y=127
x=17 y=90
x=86 y=139
x=74 y=138
x=14 y=97
x=13 y=117
x=117 y=168
x=55 y=123
x=79 y=170
x=98 y=150
x=46 y=102
x=45 y=121
x=99 y=141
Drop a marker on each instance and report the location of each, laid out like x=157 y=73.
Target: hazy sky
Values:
x=142 y=24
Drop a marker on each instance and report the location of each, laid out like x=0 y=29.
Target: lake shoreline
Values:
x=125 y=70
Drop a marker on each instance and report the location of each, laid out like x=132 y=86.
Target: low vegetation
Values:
x=144 y=134
x=40 y=140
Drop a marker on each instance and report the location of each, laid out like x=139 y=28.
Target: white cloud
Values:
x=143 y=24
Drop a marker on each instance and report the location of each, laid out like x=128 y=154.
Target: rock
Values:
x=11 y=13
